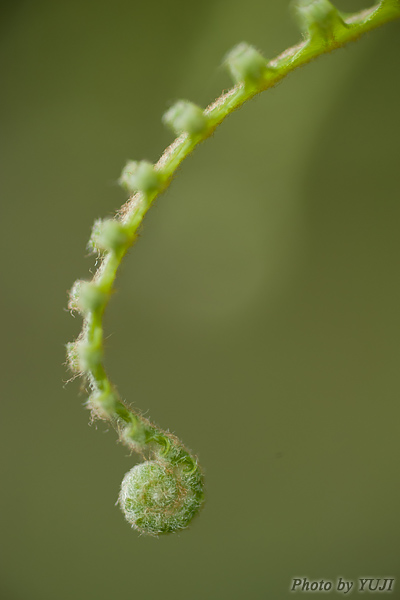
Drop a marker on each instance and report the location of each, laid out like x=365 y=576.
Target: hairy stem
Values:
x=177 y=478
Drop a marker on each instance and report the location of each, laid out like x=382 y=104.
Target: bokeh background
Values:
x=257 y=317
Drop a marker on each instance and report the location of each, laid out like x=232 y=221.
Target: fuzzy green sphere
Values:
x=158 y=497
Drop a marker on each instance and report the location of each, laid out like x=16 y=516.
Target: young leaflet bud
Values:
x=103 y=404
x=85 y=296
x=109 y=235
x=90 y=355
x=72 y=357
x=140 y=177
x=318 y=18
x=186 y=117
x=246 y=64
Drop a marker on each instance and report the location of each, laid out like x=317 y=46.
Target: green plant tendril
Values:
x=163 y=494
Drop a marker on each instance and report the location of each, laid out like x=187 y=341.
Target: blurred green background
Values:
x=257 y=317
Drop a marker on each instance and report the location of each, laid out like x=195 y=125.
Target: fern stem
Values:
x=174 y=477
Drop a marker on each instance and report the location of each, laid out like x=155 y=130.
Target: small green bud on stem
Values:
x=140 y=177
x=73 y=357
x=318 y=18
x=108 y=235
x=245 y=64
x=90 y=354
x=185 y=117
x=86 y=297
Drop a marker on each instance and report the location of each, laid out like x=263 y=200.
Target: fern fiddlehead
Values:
x=163 y=494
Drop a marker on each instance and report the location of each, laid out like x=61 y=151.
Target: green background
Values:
x=257 y=317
